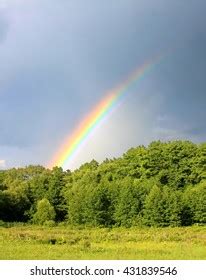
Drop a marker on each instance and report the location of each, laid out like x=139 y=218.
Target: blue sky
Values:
x=59 y=58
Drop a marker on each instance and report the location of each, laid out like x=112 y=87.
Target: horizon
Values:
x=105 y=159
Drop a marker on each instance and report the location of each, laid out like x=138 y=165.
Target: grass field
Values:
x=44 y=243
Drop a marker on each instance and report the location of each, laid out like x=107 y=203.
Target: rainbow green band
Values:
x=103 y=109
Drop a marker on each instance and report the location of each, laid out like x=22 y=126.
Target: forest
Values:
x=159 y=185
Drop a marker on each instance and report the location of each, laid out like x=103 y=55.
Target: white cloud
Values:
x=131 y=125
x=2 y=163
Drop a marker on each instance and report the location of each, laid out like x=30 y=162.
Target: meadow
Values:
x=24 y=242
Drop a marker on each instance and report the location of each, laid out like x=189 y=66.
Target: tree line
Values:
x=163 y=184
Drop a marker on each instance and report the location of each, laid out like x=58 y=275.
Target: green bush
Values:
x=2 y=223
x=49 y=223
x=45 y=212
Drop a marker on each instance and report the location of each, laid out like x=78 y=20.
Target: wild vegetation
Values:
x=23 y=242
x=161 y=185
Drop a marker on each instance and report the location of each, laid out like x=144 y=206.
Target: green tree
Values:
x=98 y=206
x=162 y=185
x=154 y=208
x=196 y=202
x=55 y=192
x=45 y=212
x=172 y=207
x=129 y=204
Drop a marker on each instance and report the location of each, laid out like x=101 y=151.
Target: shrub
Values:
x=2 y=223
x=45 y=212
x=49 y=223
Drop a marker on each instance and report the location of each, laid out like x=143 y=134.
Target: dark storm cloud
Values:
x=59 y=59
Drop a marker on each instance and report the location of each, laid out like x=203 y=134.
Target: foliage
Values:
x=45 y=212
x=163 y=184
x=32 y=242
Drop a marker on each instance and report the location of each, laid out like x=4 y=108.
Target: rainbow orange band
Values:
x=83 y=131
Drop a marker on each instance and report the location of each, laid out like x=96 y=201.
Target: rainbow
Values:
x=103 y=109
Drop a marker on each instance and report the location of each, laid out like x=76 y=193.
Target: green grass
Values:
x=43 y=243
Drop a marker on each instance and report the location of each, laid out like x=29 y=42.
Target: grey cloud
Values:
x=4 y=27
x=60 y=57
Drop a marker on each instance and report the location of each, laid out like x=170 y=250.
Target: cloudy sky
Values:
x=58 y=58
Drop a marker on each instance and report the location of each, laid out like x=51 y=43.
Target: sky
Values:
x=59 y=58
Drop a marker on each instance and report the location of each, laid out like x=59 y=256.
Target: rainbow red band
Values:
x=85 y=129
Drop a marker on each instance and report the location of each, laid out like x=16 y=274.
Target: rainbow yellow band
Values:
x=82 y=132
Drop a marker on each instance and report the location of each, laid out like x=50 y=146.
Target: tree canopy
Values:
x=163 y=184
